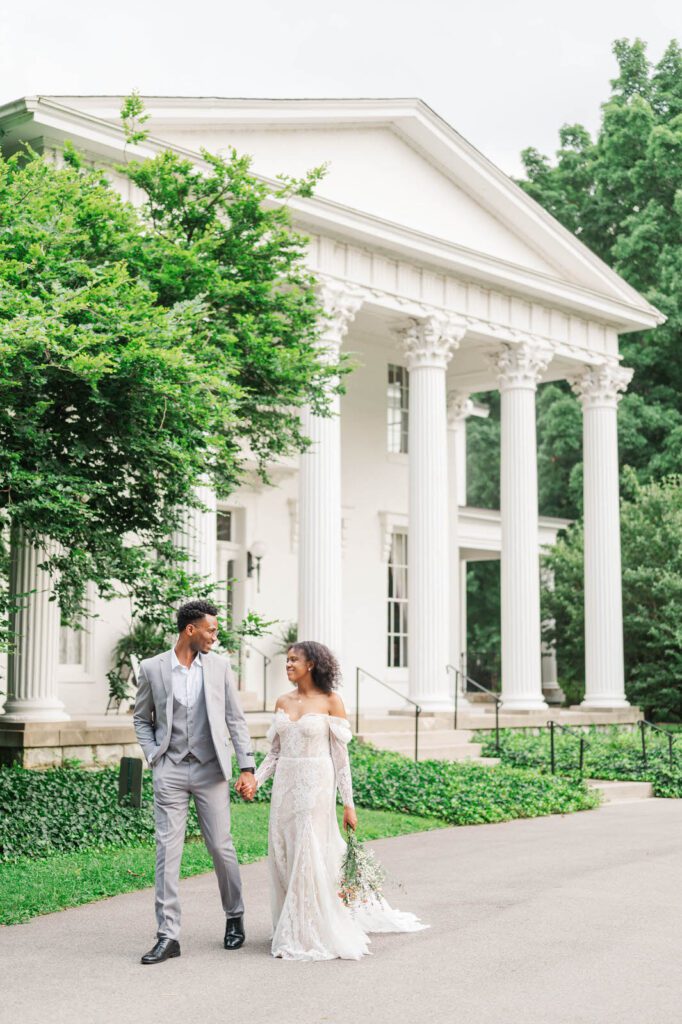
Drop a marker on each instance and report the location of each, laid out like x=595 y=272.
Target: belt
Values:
x=190 y=758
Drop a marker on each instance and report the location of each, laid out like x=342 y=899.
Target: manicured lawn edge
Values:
x=30 y=887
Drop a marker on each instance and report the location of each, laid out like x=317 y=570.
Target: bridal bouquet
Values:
x=362 y=876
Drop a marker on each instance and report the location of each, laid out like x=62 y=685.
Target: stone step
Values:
x=444 y=749
x=404 y=725
x=440 y=738
x=249 y=700
x=617 y=792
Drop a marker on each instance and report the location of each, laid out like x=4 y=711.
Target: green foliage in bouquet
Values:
x=362 y=877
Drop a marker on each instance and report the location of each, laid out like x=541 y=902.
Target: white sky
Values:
x=505 y=73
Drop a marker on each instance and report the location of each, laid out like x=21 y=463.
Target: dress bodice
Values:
x=309 y=735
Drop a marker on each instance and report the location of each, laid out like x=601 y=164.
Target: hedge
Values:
x=611 y=755
x=462 y=793
x=63 y=809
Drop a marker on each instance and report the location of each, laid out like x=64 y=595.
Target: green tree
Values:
x=651 y=523
x=141 y=354
x=621 y=194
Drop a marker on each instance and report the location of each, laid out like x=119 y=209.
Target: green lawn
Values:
x=30 y=887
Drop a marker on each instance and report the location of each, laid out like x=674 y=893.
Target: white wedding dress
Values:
x=309 y=759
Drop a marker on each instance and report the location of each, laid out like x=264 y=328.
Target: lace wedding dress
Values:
x=309 y=759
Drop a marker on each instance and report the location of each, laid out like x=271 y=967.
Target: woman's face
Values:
x=297 y=666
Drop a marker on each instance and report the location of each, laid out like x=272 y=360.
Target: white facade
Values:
x=431 y=260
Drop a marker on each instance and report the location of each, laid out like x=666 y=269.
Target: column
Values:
x=459 y=406
x=551 y=690
x=197 y=535
x=519 y=368
x=599 y=389
x=320 y=607
x=32 y=665
x=428 y=345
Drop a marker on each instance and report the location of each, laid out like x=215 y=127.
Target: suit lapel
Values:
x=207 y=662
x=167 y=680
x=214 y=704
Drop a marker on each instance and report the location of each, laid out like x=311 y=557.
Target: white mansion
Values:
x=443 y=279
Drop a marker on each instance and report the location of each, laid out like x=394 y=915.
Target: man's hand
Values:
x=246 y=785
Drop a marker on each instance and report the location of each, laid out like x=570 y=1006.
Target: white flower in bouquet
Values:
x=362 y=877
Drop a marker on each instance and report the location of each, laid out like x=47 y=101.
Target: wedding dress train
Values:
x=309 y=759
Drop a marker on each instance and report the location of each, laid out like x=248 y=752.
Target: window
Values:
x=71 y=646
x=229 y=600
x=397 y=601
x=224 y=526
x=397 y=407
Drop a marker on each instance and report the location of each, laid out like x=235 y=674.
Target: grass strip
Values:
x=29 y=887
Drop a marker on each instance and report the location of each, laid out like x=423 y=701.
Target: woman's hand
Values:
x=350 y=818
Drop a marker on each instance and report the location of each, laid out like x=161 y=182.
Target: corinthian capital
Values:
x=340 y=303
x=521 y=365
x=459 y=407
x=601 y=385
x=431 y=341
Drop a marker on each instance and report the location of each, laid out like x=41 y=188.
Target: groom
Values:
x=185 y=709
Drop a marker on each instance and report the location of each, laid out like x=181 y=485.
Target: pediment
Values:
x=393 y=163
x=375 y=171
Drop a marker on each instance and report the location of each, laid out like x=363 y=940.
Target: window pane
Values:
x=224 y=526
x=397 y=408
x=70 y=646
x=397 y=601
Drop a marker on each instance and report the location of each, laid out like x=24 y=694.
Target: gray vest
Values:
x=190 y=732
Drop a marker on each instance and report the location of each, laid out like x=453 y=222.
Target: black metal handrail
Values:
x=266 y=661
x=571 y=732
x=417 y=709
x=643 y=726
x=483 y=689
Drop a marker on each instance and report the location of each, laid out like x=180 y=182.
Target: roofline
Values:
x=628 y=311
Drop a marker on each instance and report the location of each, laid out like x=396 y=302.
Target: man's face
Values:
x=203 y=634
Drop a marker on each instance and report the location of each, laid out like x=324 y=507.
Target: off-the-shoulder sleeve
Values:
x=269 y=764
x=339 y=737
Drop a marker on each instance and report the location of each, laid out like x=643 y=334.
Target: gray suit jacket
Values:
x=153 y=716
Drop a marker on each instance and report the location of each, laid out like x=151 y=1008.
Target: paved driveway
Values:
x=548 y=921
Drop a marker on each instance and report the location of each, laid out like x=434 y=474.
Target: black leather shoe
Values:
x=234 y=933
x=163 y=950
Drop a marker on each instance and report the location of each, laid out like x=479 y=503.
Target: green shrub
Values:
x=68 y=809
x=459 y=792
x=611 y=755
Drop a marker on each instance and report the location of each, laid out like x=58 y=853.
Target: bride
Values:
x=309 y=759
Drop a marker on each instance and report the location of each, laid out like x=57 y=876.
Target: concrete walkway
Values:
x=573 y=920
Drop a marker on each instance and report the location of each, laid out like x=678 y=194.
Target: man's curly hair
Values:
x=325 y=672
x=194 y=611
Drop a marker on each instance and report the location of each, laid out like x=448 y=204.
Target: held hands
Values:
x=246 y=785
x=350 y=818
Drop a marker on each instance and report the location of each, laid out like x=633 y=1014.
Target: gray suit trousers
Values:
x=173 y=785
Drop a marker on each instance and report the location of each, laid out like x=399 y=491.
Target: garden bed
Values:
x=613 y=755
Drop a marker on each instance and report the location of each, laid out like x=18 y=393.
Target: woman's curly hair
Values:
x=325 y=672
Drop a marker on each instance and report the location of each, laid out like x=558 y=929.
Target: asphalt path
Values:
x=559 y=920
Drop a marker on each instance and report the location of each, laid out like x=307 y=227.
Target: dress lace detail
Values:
x=309 y=759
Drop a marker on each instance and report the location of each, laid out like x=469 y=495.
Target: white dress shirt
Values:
x=187 y=682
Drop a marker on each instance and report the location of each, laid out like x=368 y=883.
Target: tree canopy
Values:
x=651 y=531
x=142 y=351
x=621 y=194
